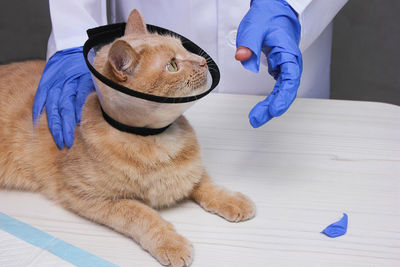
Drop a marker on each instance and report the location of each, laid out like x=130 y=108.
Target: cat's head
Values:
x=149 y=63
x=154 y=64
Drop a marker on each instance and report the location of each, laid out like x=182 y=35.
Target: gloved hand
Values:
x=271 y=26
x=63 y=88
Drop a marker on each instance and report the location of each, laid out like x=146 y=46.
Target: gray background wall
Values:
x=365 y=53
x=24 y=29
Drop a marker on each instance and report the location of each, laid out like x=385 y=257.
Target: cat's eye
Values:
x=172 y=66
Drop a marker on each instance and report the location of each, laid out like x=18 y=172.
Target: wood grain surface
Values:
x=302 y=170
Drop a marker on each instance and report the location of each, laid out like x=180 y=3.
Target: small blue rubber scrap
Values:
x=338 y=228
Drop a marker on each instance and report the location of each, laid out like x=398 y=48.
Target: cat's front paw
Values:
x=173 y=249
x=233 y=206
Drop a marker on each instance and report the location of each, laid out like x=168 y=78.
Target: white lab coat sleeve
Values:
x=314 y=16
x=70 y=20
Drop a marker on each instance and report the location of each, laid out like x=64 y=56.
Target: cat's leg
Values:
x=233 y=206
x=141 y=223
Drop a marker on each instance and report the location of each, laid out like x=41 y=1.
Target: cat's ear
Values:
x=123 y=59
x=135 y=24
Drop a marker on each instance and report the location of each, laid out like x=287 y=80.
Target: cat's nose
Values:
x=203 y=62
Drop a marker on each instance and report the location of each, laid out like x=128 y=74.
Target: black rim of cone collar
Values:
x=106 y=34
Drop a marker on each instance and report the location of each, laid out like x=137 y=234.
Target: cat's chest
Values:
x=165 y=185
x=158 y=170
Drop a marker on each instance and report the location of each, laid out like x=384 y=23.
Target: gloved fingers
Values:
x=50 y=76
x=53 y=115
x=285 y=90
x=62 y=68
x=39 y=102
x=41 y=93
x=260 y=114
x=85 y=87
x=67 y=110
x=276 y=57
x=290 y=81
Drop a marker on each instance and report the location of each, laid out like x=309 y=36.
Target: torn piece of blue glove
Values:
x=337 y=228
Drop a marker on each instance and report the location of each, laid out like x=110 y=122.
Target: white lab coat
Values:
x=212 y=24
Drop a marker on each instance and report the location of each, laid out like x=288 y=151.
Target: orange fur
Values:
x=111 y=177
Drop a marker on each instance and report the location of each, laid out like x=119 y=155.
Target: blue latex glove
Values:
x=63 y=88
x=272 y=26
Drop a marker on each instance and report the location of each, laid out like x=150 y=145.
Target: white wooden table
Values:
x=303 y=170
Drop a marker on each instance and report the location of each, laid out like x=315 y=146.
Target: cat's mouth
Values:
x=197 y=86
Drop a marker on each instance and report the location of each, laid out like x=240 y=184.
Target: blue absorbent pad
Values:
x=338 y=228
x=24 y=244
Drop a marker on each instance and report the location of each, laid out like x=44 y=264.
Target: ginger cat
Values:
x=108 y=176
